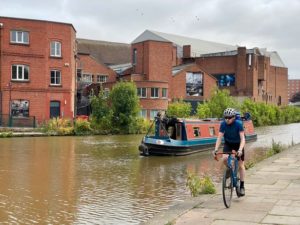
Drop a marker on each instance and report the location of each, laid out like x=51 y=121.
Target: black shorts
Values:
x=228 y=147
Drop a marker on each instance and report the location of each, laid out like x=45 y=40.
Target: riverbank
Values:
x=6 y=132
x=272 y=197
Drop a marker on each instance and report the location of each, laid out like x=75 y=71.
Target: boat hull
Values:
x=154 y=146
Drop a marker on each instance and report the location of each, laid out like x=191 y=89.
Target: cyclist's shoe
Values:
x=242 y=191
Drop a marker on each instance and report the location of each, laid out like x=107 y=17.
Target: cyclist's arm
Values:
x=219 y=141
x=243 y=142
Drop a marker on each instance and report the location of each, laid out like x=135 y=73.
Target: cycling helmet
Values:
x=229 y=112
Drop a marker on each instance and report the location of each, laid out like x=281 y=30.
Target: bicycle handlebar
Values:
x=233 y=152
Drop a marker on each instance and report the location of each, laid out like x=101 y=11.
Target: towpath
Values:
x=272 y=197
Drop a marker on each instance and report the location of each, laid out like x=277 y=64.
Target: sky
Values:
x=271 y=24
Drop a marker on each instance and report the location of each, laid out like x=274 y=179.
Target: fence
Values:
x=11 y=121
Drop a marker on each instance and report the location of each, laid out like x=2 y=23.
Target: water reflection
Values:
x=101 y=179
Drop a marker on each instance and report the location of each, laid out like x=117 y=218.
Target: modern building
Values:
x=293 y=87
x=37 y=70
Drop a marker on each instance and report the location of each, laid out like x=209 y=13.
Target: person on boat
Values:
x=234 y=139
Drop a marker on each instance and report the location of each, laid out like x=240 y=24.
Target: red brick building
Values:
x=293 y=87
x=37 y=69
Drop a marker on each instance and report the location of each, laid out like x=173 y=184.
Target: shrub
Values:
x=59 y=126
x=179 y=109
x=82 y=127
x=199 y=186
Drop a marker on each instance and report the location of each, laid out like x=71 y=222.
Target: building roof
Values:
x=108 y=53
x=275 y=59
x=198 y=47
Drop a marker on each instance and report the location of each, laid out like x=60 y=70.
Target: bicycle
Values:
x=231 y=177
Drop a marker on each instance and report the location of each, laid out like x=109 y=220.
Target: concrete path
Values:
x=272 y=197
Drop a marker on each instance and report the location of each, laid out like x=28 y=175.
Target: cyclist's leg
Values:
x=242 y=171
x=228 y=149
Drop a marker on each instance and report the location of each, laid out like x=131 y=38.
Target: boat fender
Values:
x=144 y=150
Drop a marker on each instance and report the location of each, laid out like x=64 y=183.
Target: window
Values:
x=102 y=78
x=88 y=78
x=55 y=49
x=196 y=131
x=134 y=56
x=154 y=92
x=20 y=37
x=106 y=92
x=20 y=108
x=20 y=72
x=142 y=92
x=55 y=77
x=143 y=113
x=153 y=114
x=164 y=93
x=212 y=131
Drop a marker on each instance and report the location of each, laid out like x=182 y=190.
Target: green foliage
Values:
x=59 y=126
x=101 y=112
x=215 y=107
x=264 y=114
x=6 y=134
x=125 y=107
x=179 y=109
x=82 y=127
x=199 y=186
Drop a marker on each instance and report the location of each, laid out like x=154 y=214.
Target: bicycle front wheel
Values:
x=227 y=187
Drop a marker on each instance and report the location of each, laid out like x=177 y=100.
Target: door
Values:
x=54 y=109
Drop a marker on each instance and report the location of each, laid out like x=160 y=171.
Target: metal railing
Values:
x=11 y=121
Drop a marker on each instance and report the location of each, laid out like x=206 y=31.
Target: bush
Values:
x=199 y=186
x=59 y=126
x=179 y=109
x=82 y=127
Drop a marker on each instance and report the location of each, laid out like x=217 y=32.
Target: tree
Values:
x=125 y=107
x=179 y=109
x=215 y=107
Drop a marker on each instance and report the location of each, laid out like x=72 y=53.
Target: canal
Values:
x=102 y=179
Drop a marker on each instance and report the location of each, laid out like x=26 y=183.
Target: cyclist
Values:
x=234 y=139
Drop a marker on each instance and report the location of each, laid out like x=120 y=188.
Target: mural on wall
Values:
x=225 y=80
x=20 y=108
x=194 y=84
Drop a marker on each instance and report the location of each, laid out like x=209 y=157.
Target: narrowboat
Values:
x=176 y=136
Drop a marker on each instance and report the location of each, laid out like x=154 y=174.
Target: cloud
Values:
x=253 y=23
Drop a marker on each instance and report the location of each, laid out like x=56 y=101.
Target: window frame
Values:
x=55 y=78
x=164 y=94
x=154 y=93
x=142 y=94
x=99 y=76
x=18 y=73
x=56 y=54
x=17 y=32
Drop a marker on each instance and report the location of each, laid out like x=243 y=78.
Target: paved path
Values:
x=272 y=197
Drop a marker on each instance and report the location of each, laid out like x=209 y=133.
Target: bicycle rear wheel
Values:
x=227 y=187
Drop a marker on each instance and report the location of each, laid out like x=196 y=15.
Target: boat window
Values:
x=196 y=131
x=212 y=131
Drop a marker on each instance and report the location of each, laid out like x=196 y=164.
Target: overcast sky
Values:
x=271 y=24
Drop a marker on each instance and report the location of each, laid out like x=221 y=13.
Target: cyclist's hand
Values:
x=239 y=153
x=214 y=153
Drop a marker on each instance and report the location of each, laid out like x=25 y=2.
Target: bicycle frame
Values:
x=234 y=171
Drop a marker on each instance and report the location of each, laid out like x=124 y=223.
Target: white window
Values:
x=88 y=78
x=20 y=72
x=154 y=92
x=55 y=49
x=164 y=93
x=19 y=108
x=143 y=113
x=102 y=78
x=106 y=92
x=153 y=114
x=20 y=37
x=55 y=77
x=134 y=56
x=142 y=92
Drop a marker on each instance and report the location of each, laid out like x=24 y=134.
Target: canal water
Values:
x=102 y=179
